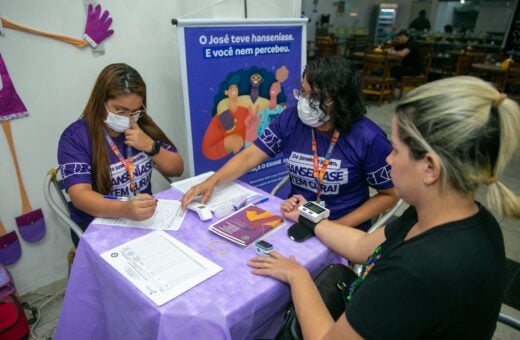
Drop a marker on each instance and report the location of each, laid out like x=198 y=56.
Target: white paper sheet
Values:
x=168 y=216
x=160 y=266
x=223 y=195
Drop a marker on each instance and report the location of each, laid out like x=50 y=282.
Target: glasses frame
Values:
x=132 y=114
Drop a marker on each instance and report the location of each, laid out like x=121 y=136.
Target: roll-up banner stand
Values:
x=238 y=75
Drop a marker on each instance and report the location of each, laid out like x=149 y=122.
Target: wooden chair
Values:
x=511 y=84
x=464 y=61
x=326 y=48
x=411 y=82
x=376 y=77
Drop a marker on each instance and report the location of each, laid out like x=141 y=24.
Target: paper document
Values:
x=224 y=195
x=160 y=266
x=168 y=216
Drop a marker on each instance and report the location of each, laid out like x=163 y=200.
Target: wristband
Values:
x=308 y=224
x=156 y=147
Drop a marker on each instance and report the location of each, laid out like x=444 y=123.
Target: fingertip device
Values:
x=203 y=211
x=313 y=211
x=263 y=248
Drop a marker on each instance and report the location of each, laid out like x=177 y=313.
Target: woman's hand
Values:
x=137 y=138
x=277 y=266
x=290 y=207
x=204 y=189
x=140 y=207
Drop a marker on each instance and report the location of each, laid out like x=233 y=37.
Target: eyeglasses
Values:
x=132 y=114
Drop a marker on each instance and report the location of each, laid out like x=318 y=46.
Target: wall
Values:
x=54 y=80
x=488 y=14
x=363 y=8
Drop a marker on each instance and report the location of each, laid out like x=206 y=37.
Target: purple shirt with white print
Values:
x=75 y=161
x=357 y=162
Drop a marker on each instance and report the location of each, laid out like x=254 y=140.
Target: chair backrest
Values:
x=376 y=65
x=326 y=48
x=58 y=200
x=427 y=60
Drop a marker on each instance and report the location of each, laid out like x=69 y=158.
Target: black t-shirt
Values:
x=420 y=24
x=446 y=283
x=412 y=59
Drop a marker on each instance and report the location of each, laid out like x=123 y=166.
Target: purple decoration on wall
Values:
x=11 y=106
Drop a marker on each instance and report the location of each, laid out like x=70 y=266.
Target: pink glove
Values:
x=96 y=29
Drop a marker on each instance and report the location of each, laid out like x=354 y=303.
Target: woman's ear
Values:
x=433 y=168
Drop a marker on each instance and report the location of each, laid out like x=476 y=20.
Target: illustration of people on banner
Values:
x=247 y=101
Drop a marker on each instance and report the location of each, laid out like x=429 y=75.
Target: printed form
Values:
x=168 y=216
x=160 y=266
x=223 y=195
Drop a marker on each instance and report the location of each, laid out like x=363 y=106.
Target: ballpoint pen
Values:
x=262 y=200
x=124 y=198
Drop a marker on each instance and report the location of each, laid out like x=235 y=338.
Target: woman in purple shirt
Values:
x=111 y=150
x=326 y=134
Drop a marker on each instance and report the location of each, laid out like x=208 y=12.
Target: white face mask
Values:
x=117 y=122
x=310 y=116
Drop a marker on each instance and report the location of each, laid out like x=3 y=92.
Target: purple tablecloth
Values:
x=234 y=304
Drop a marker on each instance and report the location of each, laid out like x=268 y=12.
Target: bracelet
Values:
x=156 y=147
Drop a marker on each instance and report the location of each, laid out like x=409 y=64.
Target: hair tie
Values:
x=490 y=180
x=501 y=97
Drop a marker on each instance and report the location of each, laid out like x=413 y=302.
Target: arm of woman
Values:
x=234 y=168
x=375 y=205
x=169 y=163
x=94 y=204
x=350 y=243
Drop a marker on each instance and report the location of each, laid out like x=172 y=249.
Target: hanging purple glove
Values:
x=96 y=29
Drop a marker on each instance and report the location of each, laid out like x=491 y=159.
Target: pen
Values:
x=123 y=198
x=119 y=198
x=262 y=200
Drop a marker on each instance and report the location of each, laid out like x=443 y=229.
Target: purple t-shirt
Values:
x=357 y=162
x=75 y=161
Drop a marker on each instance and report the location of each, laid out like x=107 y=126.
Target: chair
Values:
x=411 y=82
x=464 y=61
x=376 y=77
x=60 y=206
x=511 y=84
x=326 y=48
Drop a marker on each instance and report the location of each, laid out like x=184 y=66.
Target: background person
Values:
x=421 y=23
x=421 y=281
x=330 y=111
x=406 y=48
x=112 y=149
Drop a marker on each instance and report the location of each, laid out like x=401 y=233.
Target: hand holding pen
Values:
x=138 y=208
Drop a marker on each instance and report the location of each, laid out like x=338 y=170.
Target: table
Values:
x=234 y=304
x=391 y=57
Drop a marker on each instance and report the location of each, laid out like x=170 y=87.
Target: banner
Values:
x=237 y=77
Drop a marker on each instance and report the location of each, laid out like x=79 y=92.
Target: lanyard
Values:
x=127 y=163
x=318 y=173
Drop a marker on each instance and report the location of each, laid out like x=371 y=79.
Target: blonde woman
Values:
x=438 y=271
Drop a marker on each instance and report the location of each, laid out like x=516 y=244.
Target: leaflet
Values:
x=160 y=266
